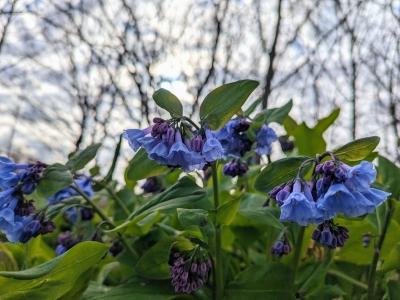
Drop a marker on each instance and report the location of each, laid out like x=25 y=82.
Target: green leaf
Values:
x=192 y=217
x=357 y=150
x=389 y=176
x=132 y=290
x=277 y=114
x=310 y=141
x=141 y=167
x=139 y=226
x=393 y=260
x=56 y=277
x=324 y=123
x=55 y=178
x=225 y=101
x=154 y=263
x=258 y=217
x=252 y=107
x=168 y=101
x=227 y=211
x=393 y=290
x=278 y=172
x=268 y=282
x=80 y=159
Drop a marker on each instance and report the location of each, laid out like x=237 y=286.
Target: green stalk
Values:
x=348 y=278
x=219 y=277
x=297 y=252
x=378 y=248
x=105 y=218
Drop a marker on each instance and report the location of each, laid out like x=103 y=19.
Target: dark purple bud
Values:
x=242 y=126
x=326 y=236
x=47 y=227
x=86 y=214
x=116 y=248
x=316 y=234
x=366 y=240
x=151 y=185
x=196 y=143
x=158 y=120
x=286 y=144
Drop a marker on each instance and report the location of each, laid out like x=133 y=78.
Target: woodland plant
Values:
x=205 y=212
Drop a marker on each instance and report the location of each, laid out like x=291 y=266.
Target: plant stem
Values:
x=105 y=218
x=119 y=201
x=348 y=278
x=297 y=252
x=378 y=248
x=219 y=279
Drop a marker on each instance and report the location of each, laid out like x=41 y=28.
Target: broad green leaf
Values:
x=154 y=263
x=192 y=217
x=252 y=107
x=310 y=141
x=141 y=167
x=225 y=101
x=7 y=260
x=131 y=290
x=81 y=158
x=185 y=191
x=55 y=178
x=139 y=226
x=393 y=290
x=357 y=150
x=168 y=101
x=227 y=211
x=324 y=123
x=327 y=292
x=258 y=217
x=278 y=172
x=277 y=114
x=270 y=281
x=393 y=260
x=389 y=176
x=57 y=277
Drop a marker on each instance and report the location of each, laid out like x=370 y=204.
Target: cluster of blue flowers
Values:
x=84 y=183
x=336 y=189
x=176 y=144
x=236 y=143
x=19 y=221
x=330 y=235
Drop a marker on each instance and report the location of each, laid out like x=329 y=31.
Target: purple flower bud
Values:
x=86 y=213
x=196 y=143
x=151 y=185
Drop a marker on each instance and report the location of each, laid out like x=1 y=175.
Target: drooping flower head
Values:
x=19 y=221
x=65 y=242
x=151 y=185
x=84 y=183
x=297 y=203
x=281 y=247
x=265 y=137
x=176 y=143
x=189 y=270
x=330 y=235
x=347 y=190
x=235 y=168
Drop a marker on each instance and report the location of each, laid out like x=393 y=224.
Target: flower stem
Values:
x=297 y=252
x=219 y=279
x=378 y=248
x=105 y=218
